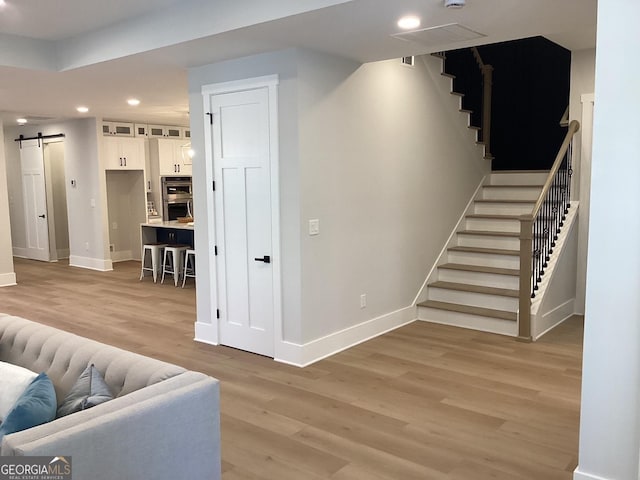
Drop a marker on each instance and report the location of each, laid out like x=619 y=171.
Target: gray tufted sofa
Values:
x=162 y=425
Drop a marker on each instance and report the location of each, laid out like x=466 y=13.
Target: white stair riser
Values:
x=492 y=224
x=495 y=302
x=485 y=241
x=479 y=278
x=502 y=208
x=518 y=178
x=474 y=322
x=484 y=259
x=515 y=193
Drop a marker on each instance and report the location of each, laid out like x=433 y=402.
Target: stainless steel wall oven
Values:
x=177 y=197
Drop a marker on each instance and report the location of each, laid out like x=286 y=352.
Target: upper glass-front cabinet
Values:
x=124 y=129
x=121 y=129
x=164 y=131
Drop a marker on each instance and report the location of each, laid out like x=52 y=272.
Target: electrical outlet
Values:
x=363 y=300
x=114 y=225
x=86 y=246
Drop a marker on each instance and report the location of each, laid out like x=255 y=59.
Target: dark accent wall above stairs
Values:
x=531 y=79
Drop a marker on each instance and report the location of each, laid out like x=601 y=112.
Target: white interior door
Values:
x=35 y=200
x=241 y=157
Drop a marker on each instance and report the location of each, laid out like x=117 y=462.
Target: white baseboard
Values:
x=7 y=279
x=578 y=475
x=91 y=263
x=206 y=333
x=308 y=353
x=552 y=319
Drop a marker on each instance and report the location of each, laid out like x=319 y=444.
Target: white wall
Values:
x=610 y=423
x=583 y=64
x=126 y=195
x=381 y=156
x=56 y=181
x=387 y=166
x=86 y=213
x=7 y=275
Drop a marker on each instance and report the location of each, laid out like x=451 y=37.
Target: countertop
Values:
x=170 y=224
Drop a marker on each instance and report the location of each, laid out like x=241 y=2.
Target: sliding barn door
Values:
x=35 y=200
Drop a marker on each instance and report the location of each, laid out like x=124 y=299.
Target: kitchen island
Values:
x=172 y=232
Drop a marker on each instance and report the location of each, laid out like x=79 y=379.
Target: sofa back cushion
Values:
x=63 y=356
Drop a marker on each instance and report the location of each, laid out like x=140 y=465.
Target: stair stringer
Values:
x=481 y=146
x=451 y=242
x=460 y=95
x=555 y=299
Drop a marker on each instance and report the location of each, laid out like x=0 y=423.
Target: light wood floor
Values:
x=423 y=402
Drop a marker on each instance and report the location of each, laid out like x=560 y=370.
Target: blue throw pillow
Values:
x=89 y=390
x=36 y=405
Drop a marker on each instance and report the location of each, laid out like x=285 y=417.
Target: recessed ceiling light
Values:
x=2 y=3
x=21 y=121
x=454 y=3
x=82 y=109
x=134 y=102
x=409 y=22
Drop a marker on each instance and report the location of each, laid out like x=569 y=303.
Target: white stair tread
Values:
x=486 y=200
x=520 y=185
x=499 y=172
x=493 y=216
x=480 y=269
x=493 y=251
x=484 y=312
x=490 y=233
x=464 y=287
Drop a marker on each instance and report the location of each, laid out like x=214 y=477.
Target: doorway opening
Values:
x=44 y=200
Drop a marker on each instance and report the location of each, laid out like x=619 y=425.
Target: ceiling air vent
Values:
x=440 y=35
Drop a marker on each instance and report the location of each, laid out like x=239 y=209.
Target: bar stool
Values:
x=189 y=265
x=155 y=252
x=172 y=262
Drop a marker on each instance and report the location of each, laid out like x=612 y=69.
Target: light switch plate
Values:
x=314 y=227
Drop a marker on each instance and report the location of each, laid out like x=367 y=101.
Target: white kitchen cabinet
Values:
x=172 y=156
x=121 y=153
x=120 y=129
x=141 y=130
x=164 y=131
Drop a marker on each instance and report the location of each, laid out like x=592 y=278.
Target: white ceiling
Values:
x=57 y=55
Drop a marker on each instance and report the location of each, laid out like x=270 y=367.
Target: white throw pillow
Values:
x=13 y=381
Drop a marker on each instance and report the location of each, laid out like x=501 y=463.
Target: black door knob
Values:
x=265 y=259
x=42 y=216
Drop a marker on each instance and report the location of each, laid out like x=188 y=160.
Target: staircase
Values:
x=477 y=279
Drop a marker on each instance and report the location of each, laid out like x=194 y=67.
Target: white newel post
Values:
x=610 y=421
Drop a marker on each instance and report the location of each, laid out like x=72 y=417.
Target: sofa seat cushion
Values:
x=89 y=390
x=13 y=381
x=36 y=405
